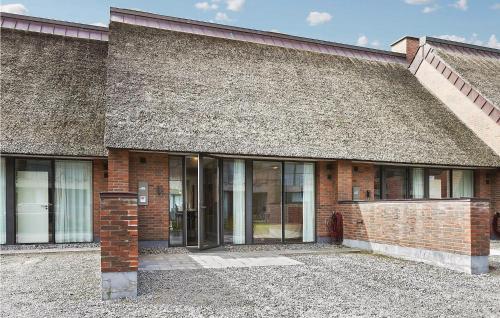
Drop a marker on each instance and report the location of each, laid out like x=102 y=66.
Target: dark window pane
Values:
x=176 y=200
x=394 y=183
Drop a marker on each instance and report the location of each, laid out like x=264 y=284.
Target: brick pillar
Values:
x=344 y=180
x=118 y=170
x=325 y=198
x=119 y=245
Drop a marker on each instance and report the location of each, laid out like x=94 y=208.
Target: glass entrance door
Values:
x=208 y=197
x=32 y=201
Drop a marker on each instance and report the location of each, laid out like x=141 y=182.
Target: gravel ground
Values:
x=328 y=284
x=19 y=247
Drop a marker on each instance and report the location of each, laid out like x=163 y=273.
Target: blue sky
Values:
x=372 y=23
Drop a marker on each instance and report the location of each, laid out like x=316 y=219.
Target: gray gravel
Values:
x=328 y=284
x=18 y=247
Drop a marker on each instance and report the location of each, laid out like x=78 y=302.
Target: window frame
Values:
x=380 y=173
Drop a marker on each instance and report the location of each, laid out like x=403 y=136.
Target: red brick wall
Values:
x=456 y=226
x=100 y=184
x=412 y=45
x=326 y=196
x=118 y=170
x=119 y=246
x=344 y=180
x=363 y=176
x=495 y=196
x=154 y=217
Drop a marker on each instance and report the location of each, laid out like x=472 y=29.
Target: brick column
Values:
x=119 y=245
x=118 y=170
x=344 y=180
x=326 y=198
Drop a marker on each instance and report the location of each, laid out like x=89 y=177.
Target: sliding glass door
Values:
x=266 y=201
x=32 y=201
x=299 y=202
x=208 y=198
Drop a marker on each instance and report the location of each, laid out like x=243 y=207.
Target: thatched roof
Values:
x=52 y=94
x=481 y=70
x=175 y=91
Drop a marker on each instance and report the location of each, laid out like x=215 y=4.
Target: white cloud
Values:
x=315 y=18
x=16 y=8
x=362 y=40
x=418 y=2
x=452 y=37
x=100 y=24
x=235 y=5
x=222 y=17
x=493 y=42
x=461 y=5
x=430 y=9
x=474 y=39
x=205 y=6
x=275 y=30
x=496 y=6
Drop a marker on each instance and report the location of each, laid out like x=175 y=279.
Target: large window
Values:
x=233 y=201
x=299 y=202
x=3 y=202
x=176 y=199
x=73 y=201
x=394 y=183
x=463 y=183
x=266 y=205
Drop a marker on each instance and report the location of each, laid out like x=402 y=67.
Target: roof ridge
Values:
x=197 y=25
x=430 y=40
x=52 y=21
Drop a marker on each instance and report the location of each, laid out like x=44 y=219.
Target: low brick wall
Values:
x=437 y=231
x=119 y=245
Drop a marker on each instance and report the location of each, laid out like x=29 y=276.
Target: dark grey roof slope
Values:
x=52 y=94
x=482 y=71
x=184 y=92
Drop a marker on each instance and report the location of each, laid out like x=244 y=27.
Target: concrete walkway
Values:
x=189 y=261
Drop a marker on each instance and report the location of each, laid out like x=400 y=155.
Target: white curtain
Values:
x=308 y=203
x=2 y=201
x=239 y=202
x=73 y=201
x=418 y=183
x=463 y=184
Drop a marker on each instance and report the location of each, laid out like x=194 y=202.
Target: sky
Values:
x=370 y=23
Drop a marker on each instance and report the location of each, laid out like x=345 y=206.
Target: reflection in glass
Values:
x=266 y=201
x=439 y=183
x=394 y=183
x=209 y=204
x=192 y=200
x=176 y=200
x=299 y=204
x=2 y=202
x=234 y=201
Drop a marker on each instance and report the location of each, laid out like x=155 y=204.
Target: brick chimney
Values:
x=407 y=45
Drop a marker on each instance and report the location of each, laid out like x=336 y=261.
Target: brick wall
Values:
x=326 y=196
x=495 y=197
x=344 y=180
x=363 y=176
x=100 y=184
x=154 y=217
x=118 y=170
x=455 y=226
x=119 y=246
